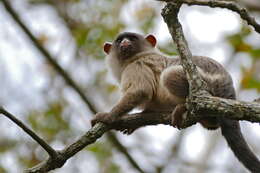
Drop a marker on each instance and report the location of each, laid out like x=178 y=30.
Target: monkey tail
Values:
x=231 y=131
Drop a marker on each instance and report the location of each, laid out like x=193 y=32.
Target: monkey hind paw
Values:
x=210 y=123
x=128 y=131
x=177 y=115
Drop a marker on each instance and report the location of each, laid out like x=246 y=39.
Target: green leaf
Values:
x=255 y=53
x=248 y=81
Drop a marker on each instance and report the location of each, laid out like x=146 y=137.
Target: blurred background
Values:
x=73 y=33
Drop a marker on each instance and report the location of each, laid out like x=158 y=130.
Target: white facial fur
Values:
x=116 y=67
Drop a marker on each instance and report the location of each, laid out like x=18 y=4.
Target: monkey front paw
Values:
x=177 y=115
x=103 y=117
x=128 y=131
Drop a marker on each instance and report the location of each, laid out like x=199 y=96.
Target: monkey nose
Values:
x=125 y=42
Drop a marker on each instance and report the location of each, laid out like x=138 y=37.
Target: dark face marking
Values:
x=128 y=44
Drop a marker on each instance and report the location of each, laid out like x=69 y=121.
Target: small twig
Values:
x=40 y=141
x=244 y=14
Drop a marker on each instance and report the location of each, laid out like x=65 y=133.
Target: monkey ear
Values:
x=107 y=47
x=151 y=39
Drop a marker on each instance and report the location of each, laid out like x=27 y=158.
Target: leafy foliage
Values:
x=250 y=77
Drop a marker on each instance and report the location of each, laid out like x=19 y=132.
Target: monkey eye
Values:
x=133 y=38
x=118 y=40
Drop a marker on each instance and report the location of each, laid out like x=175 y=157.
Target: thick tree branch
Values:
x=69 y=80
x=244 y=14
x=40 y=141
x=196 y=85
x=205 y=106
x=241 y=110
x=170 y=15
x=215 y=107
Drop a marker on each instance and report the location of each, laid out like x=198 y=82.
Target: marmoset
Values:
x=153 y=82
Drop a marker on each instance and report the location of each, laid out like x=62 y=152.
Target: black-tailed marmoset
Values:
x=153 y=82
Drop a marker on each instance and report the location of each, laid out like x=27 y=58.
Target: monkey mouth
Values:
x=125 y=48
x=126 y=51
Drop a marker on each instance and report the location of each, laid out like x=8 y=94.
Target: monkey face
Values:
x=127 y=45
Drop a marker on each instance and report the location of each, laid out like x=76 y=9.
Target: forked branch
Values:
x=199 y=100
x=244 y=14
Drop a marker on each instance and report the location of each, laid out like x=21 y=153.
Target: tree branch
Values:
x=215 y=106
x=170 y=16
x=69 y=81
x=233 y=110
x=244 y=14
x=230 y=109
x=40 y=141
x=127 y=121
x=199 y=100
x=88 y=138
x=197 y=87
